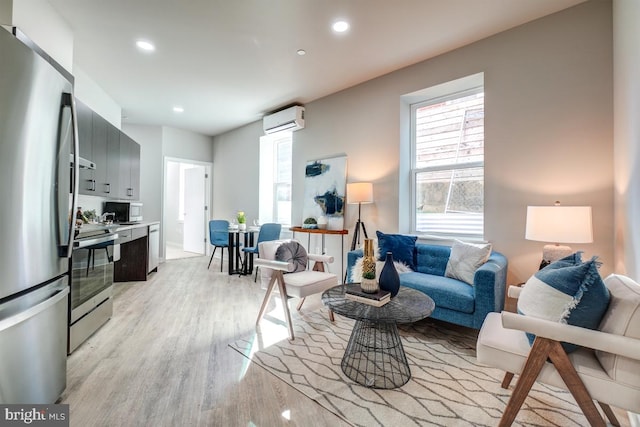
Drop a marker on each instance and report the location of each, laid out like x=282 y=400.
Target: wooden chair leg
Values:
x=532 y=367
x=300 y=304
x=542 y=350
x=575 y=385
x=609 y=413
x=331 y=316
x=265 y=301
x=508 y=376
x=285 y=301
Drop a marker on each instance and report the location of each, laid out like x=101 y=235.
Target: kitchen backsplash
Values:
x=88 y=203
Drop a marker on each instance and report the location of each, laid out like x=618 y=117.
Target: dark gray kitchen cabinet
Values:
x=112 y=179
x=85 y=146
x=135 y=170
x=100 y=129
x=129 y=168
x=116 y=157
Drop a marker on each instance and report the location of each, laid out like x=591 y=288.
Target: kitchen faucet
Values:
x=103 y=217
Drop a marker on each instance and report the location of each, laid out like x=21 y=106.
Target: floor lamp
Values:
x=359 y=192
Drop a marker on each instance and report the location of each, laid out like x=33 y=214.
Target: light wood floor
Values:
x=163 y=359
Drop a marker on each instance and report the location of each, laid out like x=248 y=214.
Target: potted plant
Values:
x=310 y=223
x=242 y=220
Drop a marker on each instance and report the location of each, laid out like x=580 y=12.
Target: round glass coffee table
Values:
x=374 y=356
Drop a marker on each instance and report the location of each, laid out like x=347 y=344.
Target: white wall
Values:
x=186 y=145
x=173 y=228
x=150 y=140
x=42 y=24
x=626 y=37
x=156 y=143
x=88 y=91
x=548 y=133
x=236 y=170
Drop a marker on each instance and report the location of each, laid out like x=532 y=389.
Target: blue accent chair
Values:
x=269 y=231
x=219 y=238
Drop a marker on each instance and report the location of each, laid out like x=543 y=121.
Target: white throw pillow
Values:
x=465 y=259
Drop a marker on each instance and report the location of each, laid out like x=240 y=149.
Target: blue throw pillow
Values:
x=566 y=291
x=402 y=247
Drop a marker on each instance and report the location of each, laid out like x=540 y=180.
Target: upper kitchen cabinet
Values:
x=112 y=182
x=85 y=145
x=100 y=129
x=129 y=168
x=116 y=157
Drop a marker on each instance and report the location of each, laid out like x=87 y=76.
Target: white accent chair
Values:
x=606 y=369
x=299 y=284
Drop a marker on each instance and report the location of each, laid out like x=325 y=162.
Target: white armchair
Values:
x=605 y=369
x=299 y=284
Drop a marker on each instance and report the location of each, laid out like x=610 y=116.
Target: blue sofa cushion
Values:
x=401 y=246
x=432 y=259
x=446 y=292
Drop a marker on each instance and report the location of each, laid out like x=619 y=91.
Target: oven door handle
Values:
x=95 y=241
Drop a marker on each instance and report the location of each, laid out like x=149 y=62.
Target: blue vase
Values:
x=389 y=279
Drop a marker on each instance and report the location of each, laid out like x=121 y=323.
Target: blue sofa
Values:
x=456 y=302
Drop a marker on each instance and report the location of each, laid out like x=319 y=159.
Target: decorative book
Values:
x=377 y=299
x=356 y=290
x=369 y=301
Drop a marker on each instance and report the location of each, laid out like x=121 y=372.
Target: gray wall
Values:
x=626 y=37
x=172 y=227
x=236 y=172
x=548 y=134
x=156 y=143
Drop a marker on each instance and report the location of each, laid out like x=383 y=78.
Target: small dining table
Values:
x=237 y=240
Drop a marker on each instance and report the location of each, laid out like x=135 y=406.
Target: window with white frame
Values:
x=275 y=178
x=447 y=165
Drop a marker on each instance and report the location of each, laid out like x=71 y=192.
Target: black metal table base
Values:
x=375 y=357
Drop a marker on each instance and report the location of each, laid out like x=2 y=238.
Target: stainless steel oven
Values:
x=91 y=296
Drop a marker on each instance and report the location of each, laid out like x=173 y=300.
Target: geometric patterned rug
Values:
x=447 y=386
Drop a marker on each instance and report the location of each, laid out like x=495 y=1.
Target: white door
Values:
x=194 y=219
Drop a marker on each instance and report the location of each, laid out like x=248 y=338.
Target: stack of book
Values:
x=378 y=299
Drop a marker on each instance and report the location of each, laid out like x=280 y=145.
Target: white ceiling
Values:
x=227 y=62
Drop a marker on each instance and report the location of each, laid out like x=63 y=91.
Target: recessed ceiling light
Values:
x=340 y=26
x=145 y=45
x=178 y=109
x=301 y=52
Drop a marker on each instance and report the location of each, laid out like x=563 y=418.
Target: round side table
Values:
x=374 y=356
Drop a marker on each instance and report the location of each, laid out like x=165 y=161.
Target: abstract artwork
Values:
x=324 y=190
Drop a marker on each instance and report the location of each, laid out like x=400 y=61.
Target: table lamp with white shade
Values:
x=558 y=225
x=360 y=193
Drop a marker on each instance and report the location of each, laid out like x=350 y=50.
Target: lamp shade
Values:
x=360 y=192
x=559 y=224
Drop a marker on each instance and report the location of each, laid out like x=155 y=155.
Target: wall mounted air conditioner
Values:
x=288 y=119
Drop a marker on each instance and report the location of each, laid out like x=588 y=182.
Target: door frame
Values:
x=207 y=195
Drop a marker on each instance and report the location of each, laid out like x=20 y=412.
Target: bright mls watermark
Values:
x=34 y=415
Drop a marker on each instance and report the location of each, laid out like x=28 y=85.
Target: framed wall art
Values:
x=325 y=186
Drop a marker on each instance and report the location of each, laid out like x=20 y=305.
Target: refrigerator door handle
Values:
x=33 y=311
x=66 y=210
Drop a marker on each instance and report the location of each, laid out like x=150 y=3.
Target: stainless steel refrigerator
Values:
x=37 y=199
